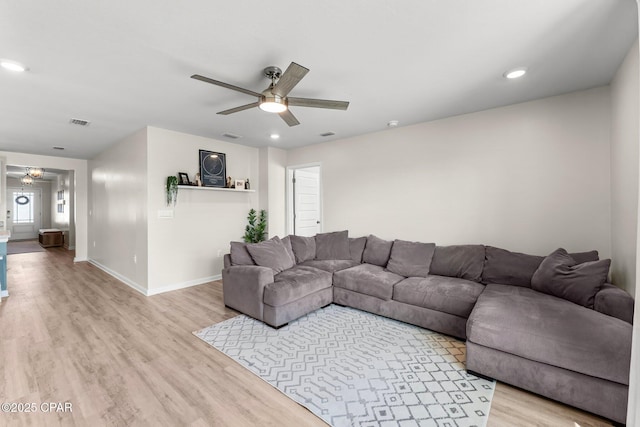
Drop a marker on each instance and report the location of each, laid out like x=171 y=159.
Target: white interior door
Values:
x=306 y=201
x=24 y=213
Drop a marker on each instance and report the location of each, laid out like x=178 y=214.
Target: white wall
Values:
x=188 y=249
x=529 y=177
x=79 y=166
x=45 y=188
x=118 y=210
x=624 y=171
x=273 y=169
x=64 y=220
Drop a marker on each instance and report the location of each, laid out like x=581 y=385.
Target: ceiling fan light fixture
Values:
x=273 y=104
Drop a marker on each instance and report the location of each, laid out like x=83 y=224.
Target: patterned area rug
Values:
x=353 y=368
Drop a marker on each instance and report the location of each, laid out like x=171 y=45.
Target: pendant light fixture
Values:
x=36 y=173
x=27 y=180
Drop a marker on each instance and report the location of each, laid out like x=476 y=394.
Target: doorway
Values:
x=24 y=213
x=304 y=196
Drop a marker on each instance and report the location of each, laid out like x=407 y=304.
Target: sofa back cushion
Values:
x=356 y=247
x=271 y=253
x=333 y=245
x=463 y=261
x=377 y=251
x=286 y=241
x=411 y=259
x=304 y=248
x=561 y=276
x=513 y=268
x=239 y=254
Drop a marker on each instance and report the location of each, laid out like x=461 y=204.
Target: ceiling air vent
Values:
x=231 y=135
x=79 y=122
x=327 y=134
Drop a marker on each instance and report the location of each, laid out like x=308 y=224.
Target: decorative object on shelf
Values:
x=198 y=180
x=228 y=183
x=213 y=168
x=36 y=173
x=172 y=190
x=184 y=178
x=239 y=184
x=26 y=180
x=247 y=186
x=256 y=232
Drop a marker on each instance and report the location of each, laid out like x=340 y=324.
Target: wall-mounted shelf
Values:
x=194 y=187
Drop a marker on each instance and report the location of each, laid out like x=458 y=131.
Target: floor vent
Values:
x=327 y=134
x=79 y=122
x=231 y=135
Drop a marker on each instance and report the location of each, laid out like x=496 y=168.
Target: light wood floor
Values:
x=71 y=333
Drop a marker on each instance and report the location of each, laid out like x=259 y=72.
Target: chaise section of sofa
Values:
x=552 y=347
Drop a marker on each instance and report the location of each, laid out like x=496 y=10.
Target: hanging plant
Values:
x=256 y=232
x=172 y=190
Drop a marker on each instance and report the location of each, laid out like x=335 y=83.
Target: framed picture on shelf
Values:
x=239 y=184
x=213 y=168
x=183 y=178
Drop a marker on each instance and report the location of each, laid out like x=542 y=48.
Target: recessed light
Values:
x=10 y=65
x=393 y=124
x=58 y=148
x=274 y=136
x=515 y=73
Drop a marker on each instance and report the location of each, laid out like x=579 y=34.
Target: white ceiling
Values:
x=126 y=64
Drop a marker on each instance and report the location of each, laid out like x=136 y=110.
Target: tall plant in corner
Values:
x=172 y=190
x=256 y=231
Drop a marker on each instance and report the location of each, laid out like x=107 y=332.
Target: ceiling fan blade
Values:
x=288 y=117
x=291 y=77
x=318 y=103
x=240 y=108
x=226 y=85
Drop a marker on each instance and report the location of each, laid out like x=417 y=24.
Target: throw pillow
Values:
x=377 y=251
x=559 y=275
x=411 y=259
x=514 y=268
x=286 y=241
x=240 y=255
x=462 y=261
x=333 y=245
x=271 y=253
x=356 y=247
x=304 y=248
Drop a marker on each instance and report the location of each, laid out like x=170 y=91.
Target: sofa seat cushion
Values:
x=551 y=330
x=367 y=279
x=295 y=283
x=447 y=294
x=330 y=265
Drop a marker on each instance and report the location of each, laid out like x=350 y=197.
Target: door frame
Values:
x=289 y=194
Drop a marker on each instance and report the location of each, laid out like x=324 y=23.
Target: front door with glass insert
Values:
x=24 y=213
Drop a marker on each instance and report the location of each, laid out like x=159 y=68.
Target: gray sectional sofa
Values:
x=550 y=325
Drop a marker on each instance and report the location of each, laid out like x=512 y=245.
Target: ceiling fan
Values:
x=274 y=99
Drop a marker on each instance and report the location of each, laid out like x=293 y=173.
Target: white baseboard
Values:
x=119 y=276
x=154 y=291
x=76 y=259
x=183 y=285
x=4 y=293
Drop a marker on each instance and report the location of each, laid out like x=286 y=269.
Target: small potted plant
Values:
x=256 y=232
x=172 y=190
